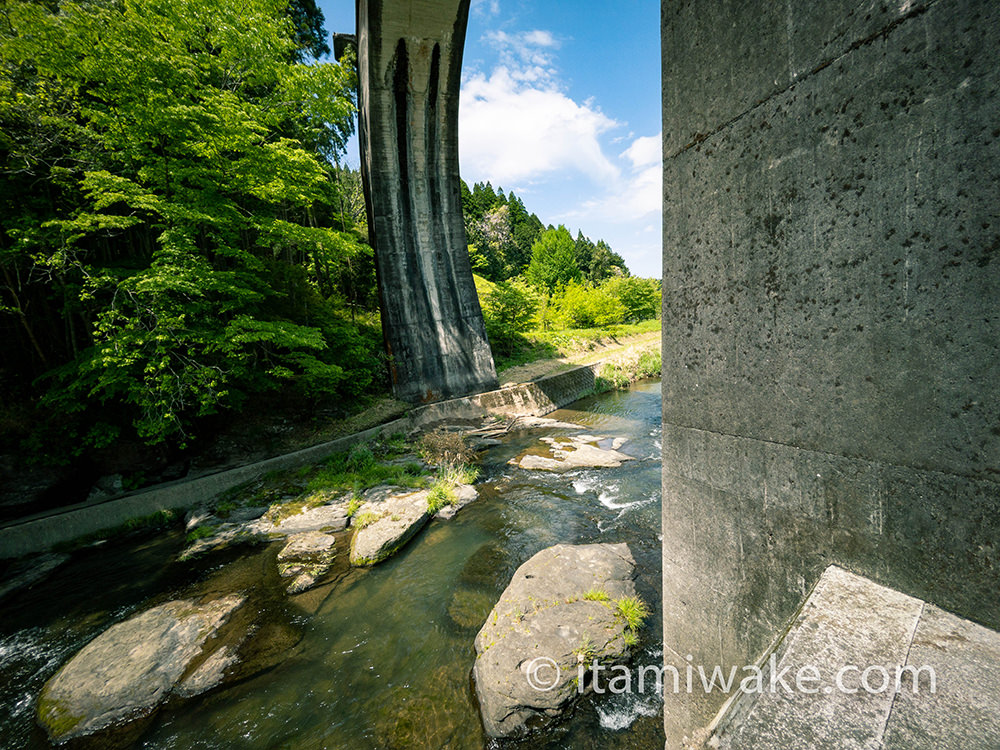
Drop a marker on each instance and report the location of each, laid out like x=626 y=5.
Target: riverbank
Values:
x=385 y=651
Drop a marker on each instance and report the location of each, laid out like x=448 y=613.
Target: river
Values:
x=385 y=654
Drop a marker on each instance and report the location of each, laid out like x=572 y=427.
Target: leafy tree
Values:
x=526 y=229
x=640 y=297
x=307 y=19
x=584 y=249
x=494 y=243
x=553 y=260
x=605 y=262
x=508 y=309
x=583 y=306
x=183 y=154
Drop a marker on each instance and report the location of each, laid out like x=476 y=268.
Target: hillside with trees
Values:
x=501 y=234
x=536 y=278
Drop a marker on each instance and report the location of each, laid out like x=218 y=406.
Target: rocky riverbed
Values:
x=362 y=604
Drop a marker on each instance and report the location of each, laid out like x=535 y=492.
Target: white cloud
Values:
x=644 y=151
x=486 y=8
x=528 y=55
x=637 y=194
x=516 y=125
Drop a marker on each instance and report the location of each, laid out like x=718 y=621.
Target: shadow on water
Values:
x=386 y=654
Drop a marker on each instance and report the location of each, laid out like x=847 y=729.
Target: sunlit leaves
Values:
x=183 y=145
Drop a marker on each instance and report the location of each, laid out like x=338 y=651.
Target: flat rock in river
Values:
x=384 y=527
x=125 y=673
x=573 y=453
x=557 y=613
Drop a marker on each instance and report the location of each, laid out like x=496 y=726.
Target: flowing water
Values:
x=385 y=654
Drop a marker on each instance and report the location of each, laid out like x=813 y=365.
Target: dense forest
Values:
x=179 y=238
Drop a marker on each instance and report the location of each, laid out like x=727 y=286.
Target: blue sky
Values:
x=561 y=104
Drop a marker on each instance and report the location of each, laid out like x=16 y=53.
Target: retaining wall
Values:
x=38 y=534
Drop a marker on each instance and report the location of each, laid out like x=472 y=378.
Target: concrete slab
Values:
x=869 y=668
x=964 y=711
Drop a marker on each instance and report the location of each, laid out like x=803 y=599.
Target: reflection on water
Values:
x=386 y=654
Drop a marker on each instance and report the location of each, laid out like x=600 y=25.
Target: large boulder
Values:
x=558 y=613
x=382 y=528
x=128 y=671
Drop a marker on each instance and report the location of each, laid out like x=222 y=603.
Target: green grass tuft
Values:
x=633 y=610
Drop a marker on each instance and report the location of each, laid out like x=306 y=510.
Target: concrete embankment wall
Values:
x=831 y=318
x=534 y=399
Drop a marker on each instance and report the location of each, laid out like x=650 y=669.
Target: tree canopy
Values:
x=501 y=233
x=171 y=242
x=553 y=260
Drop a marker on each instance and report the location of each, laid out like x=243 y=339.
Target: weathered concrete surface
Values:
x=946 y=695
x=965 y=710
x=831 y=304
x=409 y=63
x=543 y=627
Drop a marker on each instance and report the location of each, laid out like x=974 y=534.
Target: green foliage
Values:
x=631 y=365
x=633 y=611
x=200 y=532
x=360 y=458
x=501 y=235
x=605 y=263
x=508 y=310
x=365 y=519
x=439 y=496
x=354 y=505
x=338 y=475
x=582 y=306
x=458 y=474
x=553 y=260
x=597 y=595
x=640 y=298
x=442 y=492
x=173 y=221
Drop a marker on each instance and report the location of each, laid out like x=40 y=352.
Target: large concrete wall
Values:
x=409 y=64
x=831 y=347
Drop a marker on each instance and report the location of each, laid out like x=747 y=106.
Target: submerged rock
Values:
x=29 y=572
x=306 y=558
x=468 y=607
x=128 y=671
x=384 y=527
x=557 y=613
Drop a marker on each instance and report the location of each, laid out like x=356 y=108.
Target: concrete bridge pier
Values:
x=409 y=64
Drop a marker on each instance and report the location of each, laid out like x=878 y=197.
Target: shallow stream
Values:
x=385 y=654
